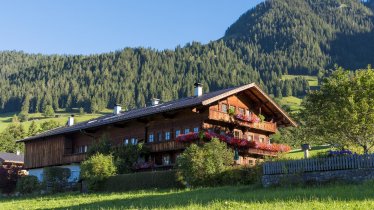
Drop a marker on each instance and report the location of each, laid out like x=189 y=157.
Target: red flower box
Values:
x=236 y=142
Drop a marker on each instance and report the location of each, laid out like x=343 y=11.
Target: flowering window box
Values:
x=232 y=141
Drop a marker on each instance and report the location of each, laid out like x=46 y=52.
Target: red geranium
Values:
x=236 y=142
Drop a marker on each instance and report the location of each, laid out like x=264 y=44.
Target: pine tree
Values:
x=33 y=129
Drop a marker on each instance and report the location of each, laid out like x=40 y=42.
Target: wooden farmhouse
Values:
x=9 y=159
x=243 y=116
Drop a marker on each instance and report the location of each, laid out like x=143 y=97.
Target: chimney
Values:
x=155 y=101
x=71 y=120
x=198 y=89
x=117 y=109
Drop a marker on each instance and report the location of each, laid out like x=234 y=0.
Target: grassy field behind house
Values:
x=61 y=117
x=229 y=197
x=299 y=154
x=312 y=80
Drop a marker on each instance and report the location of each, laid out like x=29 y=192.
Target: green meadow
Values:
x=229 y=197
x=60 y=116
x=312 y=80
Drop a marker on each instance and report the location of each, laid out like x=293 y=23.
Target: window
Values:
x=241 y=111
x=186 y=131
x=237 y=134
x=134 y=141
x=159 y=135
x=224 y=108
x=262 y=139
x=167 y=136
x=247 y=112
x=166 y=160
x=151 y=138
x=250 y=137
x=82 y=149
x=196 y=130
x=126 y=141
x=177 y=133
x=232 y=109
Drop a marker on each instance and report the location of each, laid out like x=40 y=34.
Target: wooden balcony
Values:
x=74 y=158
x=225 y=117
x=165 y=146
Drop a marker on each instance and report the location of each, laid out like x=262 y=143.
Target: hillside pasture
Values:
x=312 y=80
x=60 y=116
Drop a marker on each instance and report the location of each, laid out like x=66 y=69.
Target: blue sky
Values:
x=88 y=27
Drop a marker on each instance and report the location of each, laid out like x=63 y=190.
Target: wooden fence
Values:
x=319 y=164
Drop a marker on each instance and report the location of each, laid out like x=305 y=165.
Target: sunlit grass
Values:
x=230 y=197
x=299 y=154
x=312 y=80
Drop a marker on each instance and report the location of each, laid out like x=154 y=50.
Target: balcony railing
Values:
x=260 y=152
x=225 y=117
x=74 y=158
x=165 y=146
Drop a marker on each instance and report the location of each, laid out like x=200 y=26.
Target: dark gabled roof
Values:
x=205 y=99
x=11 y=157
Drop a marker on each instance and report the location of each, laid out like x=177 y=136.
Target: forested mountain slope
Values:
x=277 y=37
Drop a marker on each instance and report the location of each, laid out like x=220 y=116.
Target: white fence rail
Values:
x=319 y=164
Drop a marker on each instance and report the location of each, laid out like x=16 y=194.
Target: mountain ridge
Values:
x=277 y=37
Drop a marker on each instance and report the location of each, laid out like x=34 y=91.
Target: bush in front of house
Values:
x=55 y=179
x=102 y=146
x=236 y=175
x=97 y=169
x=200 y=165
x=8 y=178
x=28 y=184
x=126 y=157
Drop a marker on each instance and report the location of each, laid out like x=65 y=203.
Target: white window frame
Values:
x=186 y=131
x=151 y=138
x=177 y=133
x=166 y=160
x=224 y=110
x=167 y=135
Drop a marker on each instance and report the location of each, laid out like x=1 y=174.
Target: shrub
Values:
x=55 y=179
x=28 y=184
x=8 y=178
x=142 y=181
x=102 y=146
x=96 y=169
x=198 y=166
x=126 y=157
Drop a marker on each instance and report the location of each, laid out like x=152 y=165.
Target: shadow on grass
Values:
x=205 y=196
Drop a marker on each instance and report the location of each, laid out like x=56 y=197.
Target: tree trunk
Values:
x=366 y=150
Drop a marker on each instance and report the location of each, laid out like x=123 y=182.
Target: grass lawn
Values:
x=230 y=197
x=312 y=80
x=61 y=117
x=299 y=154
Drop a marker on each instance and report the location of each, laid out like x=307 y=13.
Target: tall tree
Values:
x=343 y=110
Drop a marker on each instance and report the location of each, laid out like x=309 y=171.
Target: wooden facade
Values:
x=158 y=132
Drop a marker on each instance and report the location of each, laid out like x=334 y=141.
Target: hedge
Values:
x=141 y=180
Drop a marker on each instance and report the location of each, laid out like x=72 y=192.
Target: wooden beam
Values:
x=262 y=102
